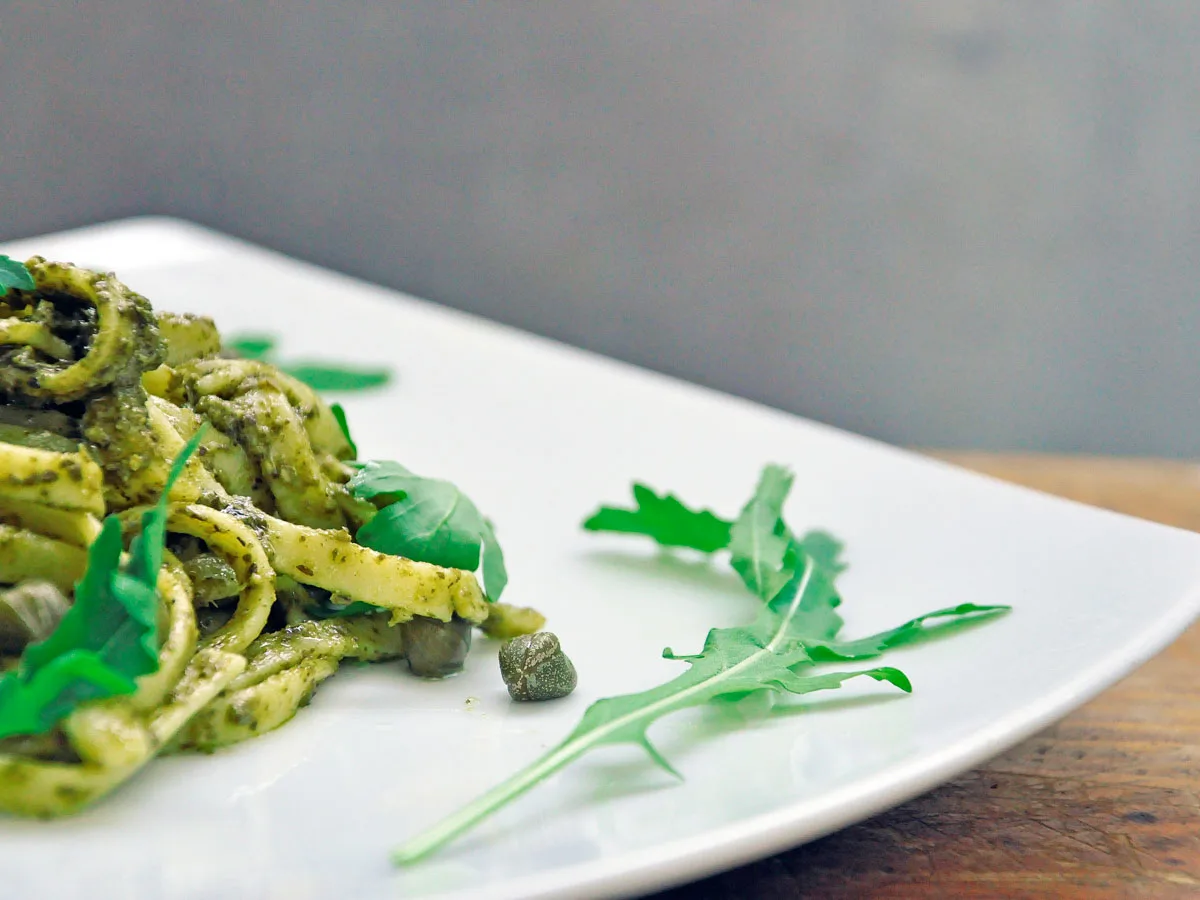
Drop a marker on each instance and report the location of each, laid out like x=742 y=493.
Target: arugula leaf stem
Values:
x=480 y=808
x=577 y=744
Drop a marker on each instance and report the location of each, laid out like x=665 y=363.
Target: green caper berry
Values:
x=436 y=649
x=534 y=667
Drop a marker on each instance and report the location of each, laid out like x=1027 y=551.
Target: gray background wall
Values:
x=957 y=223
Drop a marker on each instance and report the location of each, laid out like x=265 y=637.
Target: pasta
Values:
x=99 y=395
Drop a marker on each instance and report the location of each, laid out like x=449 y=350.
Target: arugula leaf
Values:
x=109 y=636
x=771 y=655
x=825 y=550
x=665 y=519
x=817 y=617
x=757 y=533
x=495 y=573
x=340 y=415
x=911 y=632
x=795 y=631
x=251 y=346
x=430 y=520
x=111 y=616
x=146 y=549
x=318 y=376
x=36 y=704
x=761 y=550
x=13 y=274
x=336 y=378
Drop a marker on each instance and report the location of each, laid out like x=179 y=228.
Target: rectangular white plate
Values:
x=539 y=434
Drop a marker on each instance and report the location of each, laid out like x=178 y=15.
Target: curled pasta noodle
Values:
x=98 y=395
x=229 y=378
x=123 y=336
x=242 y=550
x=226 y=460
x=35 y=335
x=274 y=437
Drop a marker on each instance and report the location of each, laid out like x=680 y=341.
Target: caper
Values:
x=435 y=649
x=212 y=578
x=534 y=667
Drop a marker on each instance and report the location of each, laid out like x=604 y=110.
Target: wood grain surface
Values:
x=1104 y=804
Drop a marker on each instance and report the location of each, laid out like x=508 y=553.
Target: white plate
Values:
x=538 y=434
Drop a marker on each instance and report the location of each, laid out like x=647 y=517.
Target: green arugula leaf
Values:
x=914 y=631
x=36 y=704
x=671 y=523
x=779 y=652
x=146 y=549
x=761 y=549
x=13 y=274
x=336 y=378
x=340 y=415
x=317 y=375
x=495 y=573
x=771 y=655
x=825 y=550
x=109 y=636
x=769 y=558
x=665 y=519
x=95 y=612
x=430 y=520
x=251 y=346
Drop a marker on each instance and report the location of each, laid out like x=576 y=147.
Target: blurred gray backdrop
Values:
x=948 y=223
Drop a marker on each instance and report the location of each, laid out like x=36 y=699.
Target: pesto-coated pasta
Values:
x=262 y=591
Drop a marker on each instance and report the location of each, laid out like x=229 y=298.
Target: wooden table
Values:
x=1105 y=804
